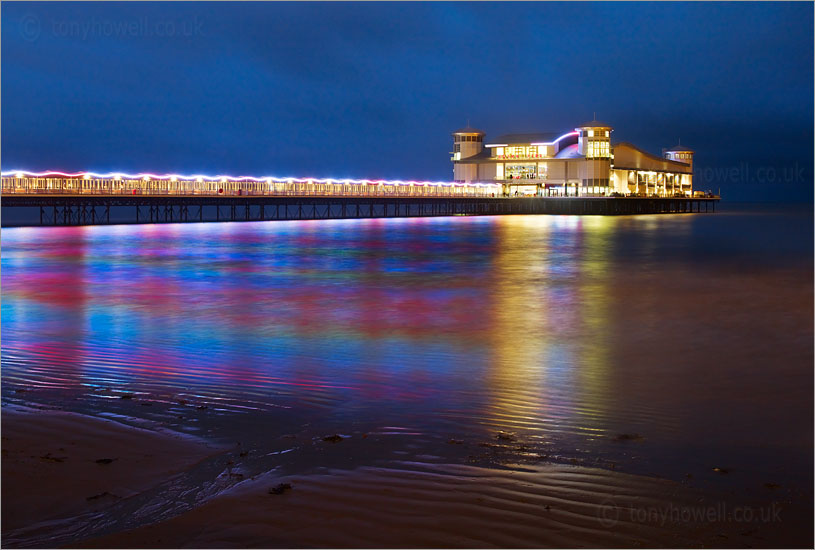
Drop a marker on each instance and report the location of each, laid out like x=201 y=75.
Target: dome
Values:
x=595 y=124
x=679 y=149
x=468 y=130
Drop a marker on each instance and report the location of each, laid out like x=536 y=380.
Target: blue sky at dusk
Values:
x=374 y=90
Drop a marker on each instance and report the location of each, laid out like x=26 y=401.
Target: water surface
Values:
x=423 y=339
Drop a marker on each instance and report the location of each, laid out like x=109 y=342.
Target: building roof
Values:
x=468 y=130
x=649 y=155
x=569 y=152
x=679 y=149
x=537 y=137
x=595 y=124
x=485 y=154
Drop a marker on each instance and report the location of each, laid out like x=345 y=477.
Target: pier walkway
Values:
x=82 y=199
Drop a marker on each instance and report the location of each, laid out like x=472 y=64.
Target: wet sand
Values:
x=52 y=477
x=426 y=506
x=58 y=466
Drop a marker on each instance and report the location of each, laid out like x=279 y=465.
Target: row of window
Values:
x=597 y=149
x=653 y=178
x=478 y=139
x=522 y=151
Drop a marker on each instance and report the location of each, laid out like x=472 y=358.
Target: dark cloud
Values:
x=369 y=89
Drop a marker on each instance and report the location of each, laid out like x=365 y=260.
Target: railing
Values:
x=176 y=187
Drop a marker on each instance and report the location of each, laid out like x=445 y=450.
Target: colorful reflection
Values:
x=543 y=326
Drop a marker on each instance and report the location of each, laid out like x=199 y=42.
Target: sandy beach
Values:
x=60 y=468
x=456 y=506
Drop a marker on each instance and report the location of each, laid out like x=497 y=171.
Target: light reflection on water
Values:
x=563 y=330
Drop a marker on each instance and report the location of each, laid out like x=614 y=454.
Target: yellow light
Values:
x=146 y=178
x=117 y=178
x=86 y=177
x=173 y=178
x=223 y=180
x=199 y=180
x=19 y=175
x=269 y=181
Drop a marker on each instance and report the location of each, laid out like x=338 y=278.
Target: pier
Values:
x=62 y=210
x=85 y=199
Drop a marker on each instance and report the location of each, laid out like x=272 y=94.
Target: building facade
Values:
x=582 y=162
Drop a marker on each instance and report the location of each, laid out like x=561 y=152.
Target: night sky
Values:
x=374 y=90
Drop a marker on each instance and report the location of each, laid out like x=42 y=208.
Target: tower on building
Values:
x=680 y=153
x=467 y=142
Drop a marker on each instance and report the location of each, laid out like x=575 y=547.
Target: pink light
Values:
x=558 y=139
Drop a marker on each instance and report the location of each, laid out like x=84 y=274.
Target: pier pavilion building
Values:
x=582 y=162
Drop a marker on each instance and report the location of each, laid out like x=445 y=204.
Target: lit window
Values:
x=591 y=133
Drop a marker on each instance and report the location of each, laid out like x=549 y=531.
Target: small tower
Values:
x=680 y=153
x=594 y=139
x=467 y=142
x=594 y=143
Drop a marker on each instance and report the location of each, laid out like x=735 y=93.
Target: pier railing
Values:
x=174 y=186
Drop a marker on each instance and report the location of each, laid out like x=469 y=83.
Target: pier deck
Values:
x=65 y=210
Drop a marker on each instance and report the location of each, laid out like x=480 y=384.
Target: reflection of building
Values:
x=582 y=162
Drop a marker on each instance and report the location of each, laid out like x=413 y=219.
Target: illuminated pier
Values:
x=86 y=198
x=90 y=183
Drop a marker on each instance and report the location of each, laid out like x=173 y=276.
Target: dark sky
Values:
x=374 y=90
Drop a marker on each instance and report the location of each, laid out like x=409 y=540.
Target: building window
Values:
x=521 y=171
x=597 y=149
x=521 y=152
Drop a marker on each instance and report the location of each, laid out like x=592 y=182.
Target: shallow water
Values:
x=692 y=334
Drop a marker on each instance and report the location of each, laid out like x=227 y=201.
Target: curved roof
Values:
x=621 y=164
x=468 y=130
x=537 y=137
x=569 y=152
x=679 y=149
x=595 y=124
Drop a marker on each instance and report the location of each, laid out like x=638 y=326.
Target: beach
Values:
x=61 y=470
